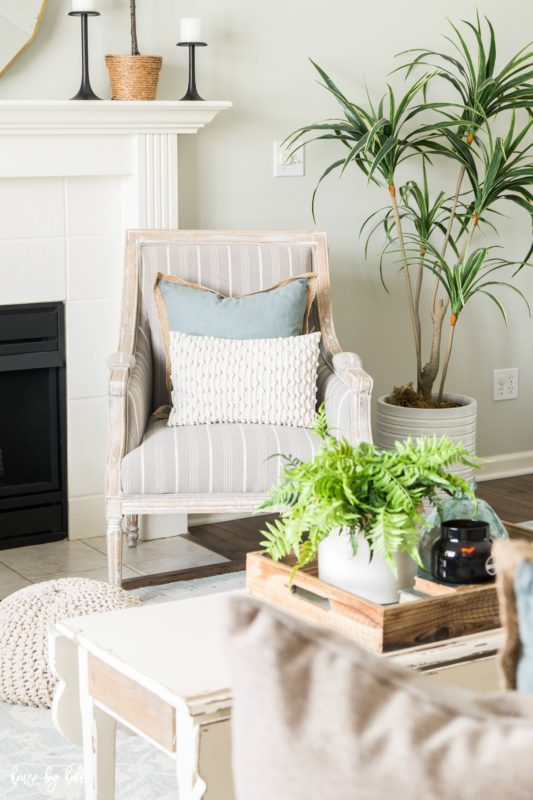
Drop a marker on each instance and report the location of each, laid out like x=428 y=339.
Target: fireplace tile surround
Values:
x=73 y=177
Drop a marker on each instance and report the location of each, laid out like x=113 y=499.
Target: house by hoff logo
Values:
x=51 y=779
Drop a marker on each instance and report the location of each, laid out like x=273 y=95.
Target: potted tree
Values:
x=358 y=508
x=432 y=233
x=133 y=77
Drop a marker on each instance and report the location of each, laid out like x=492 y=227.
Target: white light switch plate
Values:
x=286 y=166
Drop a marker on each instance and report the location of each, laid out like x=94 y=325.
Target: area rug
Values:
x=36 y=762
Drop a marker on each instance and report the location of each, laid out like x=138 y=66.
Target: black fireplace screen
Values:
x=32 y=424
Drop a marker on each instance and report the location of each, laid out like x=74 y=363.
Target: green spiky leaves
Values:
x=376 y=138
x=471 y=69
x=493 y=171
x=475 y=273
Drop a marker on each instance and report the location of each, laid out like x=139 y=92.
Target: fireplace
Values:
x=73 y=177
x=33 y=479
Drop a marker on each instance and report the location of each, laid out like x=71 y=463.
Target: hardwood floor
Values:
x=511 y=498
x=233 y=540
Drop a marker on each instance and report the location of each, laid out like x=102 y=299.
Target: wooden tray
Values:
x=443 y=612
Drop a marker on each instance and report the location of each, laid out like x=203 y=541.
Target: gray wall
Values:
x=258 y=59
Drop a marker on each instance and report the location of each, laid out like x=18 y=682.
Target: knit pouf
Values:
x=25 y=618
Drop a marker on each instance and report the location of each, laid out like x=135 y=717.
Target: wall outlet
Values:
x=505 y=384
x=285 y=165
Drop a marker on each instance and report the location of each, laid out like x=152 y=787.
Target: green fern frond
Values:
x=363 y=490
x=320 y=425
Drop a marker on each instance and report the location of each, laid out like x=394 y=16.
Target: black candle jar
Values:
x=462 y=554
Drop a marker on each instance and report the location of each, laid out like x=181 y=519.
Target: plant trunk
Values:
x=453 y=209
x=419 y=279
x=428 y=373
x=133 y=22
x=415 y=318
x=447 y=356
x=430 y=370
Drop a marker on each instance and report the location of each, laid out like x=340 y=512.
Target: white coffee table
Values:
x=160 y=671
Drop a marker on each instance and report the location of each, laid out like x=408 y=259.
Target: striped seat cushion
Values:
x=218 y=458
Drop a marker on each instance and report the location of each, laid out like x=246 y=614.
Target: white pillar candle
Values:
x=191 y=29
x=83 y=5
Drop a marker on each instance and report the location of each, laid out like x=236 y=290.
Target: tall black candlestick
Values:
x=192 y=92
x=85 y=92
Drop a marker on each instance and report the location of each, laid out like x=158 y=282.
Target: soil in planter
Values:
x=408 y=397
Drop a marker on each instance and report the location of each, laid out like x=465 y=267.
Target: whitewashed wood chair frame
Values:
x=344 y=386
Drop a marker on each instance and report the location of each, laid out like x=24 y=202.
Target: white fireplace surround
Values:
x=74 y=176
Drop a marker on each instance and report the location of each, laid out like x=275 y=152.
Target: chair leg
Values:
x=114 y=550
x=132 y=529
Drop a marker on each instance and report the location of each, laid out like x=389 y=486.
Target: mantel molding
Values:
x=41 y=117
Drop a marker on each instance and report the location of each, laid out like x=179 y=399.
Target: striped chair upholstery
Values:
x=210 y=458
x=222 y=458
x=211 y=468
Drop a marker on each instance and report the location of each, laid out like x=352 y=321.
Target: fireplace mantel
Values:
x=40 y=117
x=137 y=140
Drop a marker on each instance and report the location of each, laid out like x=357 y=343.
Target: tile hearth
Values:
x=22 y=566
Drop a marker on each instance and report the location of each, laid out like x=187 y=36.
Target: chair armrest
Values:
x=119 y=365
x=129 y=400
x=349 y=368
x=346 y=392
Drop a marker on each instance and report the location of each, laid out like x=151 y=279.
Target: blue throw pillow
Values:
x=524 y=608
x=273 y=313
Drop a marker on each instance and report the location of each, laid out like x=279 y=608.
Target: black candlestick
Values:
x=192 y=92
x=85 y=92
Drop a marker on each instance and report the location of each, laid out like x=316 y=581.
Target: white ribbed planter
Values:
x=396 y=423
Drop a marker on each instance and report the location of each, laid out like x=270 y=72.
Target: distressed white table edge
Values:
x=202 y=702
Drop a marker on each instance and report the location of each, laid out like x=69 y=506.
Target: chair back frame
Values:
x=119 y=504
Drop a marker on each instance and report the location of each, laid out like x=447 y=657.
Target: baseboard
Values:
x=162 y=526
x=507 y=465
x=87 y=521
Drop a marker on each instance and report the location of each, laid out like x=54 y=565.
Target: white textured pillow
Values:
x=269 y=381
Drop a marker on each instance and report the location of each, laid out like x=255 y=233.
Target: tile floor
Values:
x=86 y=558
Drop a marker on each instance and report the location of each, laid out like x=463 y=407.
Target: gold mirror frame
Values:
x=35 y=22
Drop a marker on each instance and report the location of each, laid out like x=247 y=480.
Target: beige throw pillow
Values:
x=265 y=381
x=317 y=718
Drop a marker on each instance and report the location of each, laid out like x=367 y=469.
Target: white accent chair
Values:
x=154 y=469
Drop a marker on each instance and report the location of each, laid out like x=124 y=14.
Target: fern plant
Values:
x=364 y=490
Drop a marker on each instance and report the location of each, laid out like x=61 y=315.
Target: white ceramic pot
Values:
x=396 y=423
x=372 y=579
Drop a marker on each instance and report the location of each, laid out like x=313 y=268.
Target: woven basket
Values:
x=133 y=77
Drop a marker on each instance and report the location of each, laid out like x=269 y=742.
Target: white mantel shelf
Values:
x=106 y=116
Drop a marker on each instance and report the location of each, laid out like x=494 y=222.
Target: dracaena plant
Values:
x=434 y=231
x=367 y=491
